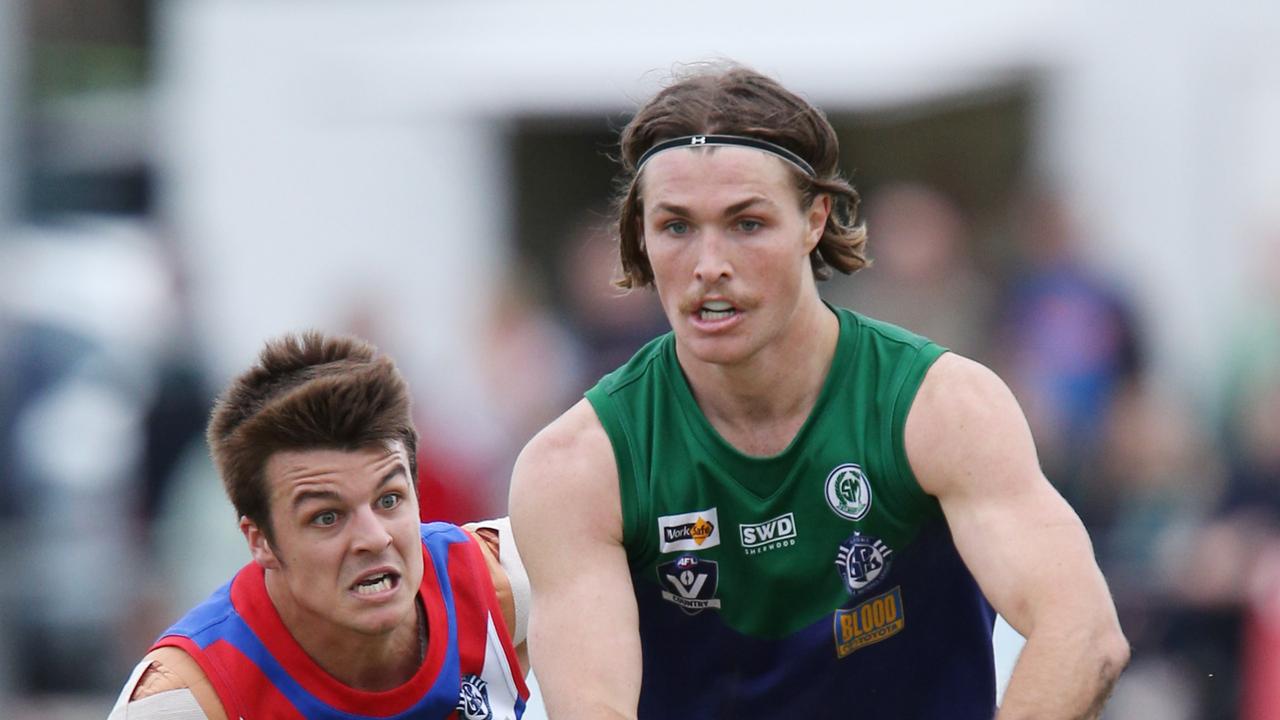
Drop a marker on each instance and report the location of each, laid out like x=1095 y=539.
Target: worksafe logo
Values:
x=863 y=561
x=689 y=531
x=769 y=535
x=879 y=618
x=849 y=491
x=690 y=582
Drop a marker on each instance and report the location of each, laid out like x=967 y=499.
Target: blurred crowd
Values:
x=1179 y=488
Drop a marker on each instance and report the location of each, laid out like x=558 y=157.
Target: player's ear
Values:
x=259 y=546
x=816 y=217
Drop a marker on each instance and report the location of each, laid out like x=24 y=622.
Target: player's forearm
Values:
x=585 y=698
x=1065 y=673
x=584 y=673
x=584 y=710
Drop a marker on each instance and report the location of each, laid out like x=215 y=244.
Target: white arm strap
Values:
x=168 y=705
x=509 y=558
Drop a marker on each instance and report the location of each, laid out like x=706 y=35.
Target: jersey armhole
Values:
x=629 y=495
x=907 y=386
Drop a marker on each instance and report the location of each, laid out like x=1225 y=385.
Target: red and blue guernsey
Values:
x=259 y=671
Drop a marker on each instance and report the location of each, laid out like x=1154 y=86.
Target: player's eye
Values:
x=676 y=227
x=325 y=519
x=750 y=225
x=389 y=501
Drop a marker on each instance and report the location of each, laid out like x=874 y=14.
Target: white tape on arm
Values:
x=169 y=705
x=509 y=557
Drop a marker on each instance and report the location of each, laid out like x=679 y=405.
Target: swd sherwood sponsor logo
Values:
x=769 y=535
x=689 y=531
x=690 y=582
x=879 y=618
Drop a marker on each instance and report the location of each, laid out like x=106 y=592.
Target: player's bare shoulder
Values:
x=568 y=468
x=965 y=416
x=572 y=449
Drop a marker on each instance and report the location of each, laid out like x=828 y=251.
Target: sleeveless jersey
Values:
x=819 y=582
x=259 y=671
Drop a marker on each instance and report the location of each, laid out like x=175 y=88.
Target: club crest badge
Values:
x=473 y=699
x=690 y=582
x=849 y=491
x=863 y=561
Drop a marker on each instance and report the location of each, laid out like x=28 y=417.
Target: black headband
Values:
x=738 y=140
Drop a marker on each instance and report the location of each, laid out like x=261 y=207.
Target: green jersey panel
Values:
x=774 y=529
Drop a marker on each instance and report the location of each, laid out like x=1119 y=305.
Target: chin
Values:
x=383 y=621
x=718 y=351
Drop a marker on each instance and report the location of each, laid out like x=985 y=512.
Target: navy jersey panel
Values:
x=939 y=665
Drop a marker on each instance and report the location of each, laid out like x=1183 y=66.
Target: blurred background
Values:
x=1082 y=195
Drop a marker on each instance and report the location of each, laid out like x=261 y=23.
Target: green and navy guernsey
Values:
x=819 y=582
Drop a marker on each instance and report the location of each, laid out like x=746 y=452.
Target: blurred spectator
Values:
x=91 y=313
x=1068 y=342
x=923 y=277
x=527 y=368
x=610 y=324
x=1248 y=521
x=1156 y=474
x=1154 y=484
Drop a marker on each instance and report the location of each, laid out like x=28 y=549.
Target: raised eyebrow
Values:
x=308 y=495
x=392 y=474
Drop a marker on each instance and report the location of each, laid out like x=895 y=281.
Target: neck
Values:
x=759 y=405
x=371 y=663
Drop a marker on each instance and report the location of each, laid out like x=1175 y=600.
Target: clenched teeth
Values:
x=374 y=584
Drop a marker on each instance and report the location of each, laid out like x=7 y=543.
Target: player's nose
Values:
x=368 y=531
x=713 y=264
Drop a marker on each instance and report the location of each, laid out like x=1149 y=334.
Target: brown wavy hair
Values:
x=307 y=391
x=719 y=99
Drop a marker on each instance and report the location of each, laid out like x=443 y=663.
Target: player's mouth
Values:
x=376 y=583
x=715 y=315
x=715 y=310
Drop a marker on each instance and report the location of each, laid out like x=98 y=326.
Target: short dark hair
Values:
x=307 y=391
x=720 y=99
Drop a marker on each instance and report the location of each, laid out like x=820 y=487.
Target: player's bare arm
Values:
x=583 y=635
x=969 y=445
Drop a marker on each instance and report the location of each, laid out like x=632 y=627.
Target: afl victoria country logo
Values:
x=690 y=582
x=849 y=492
